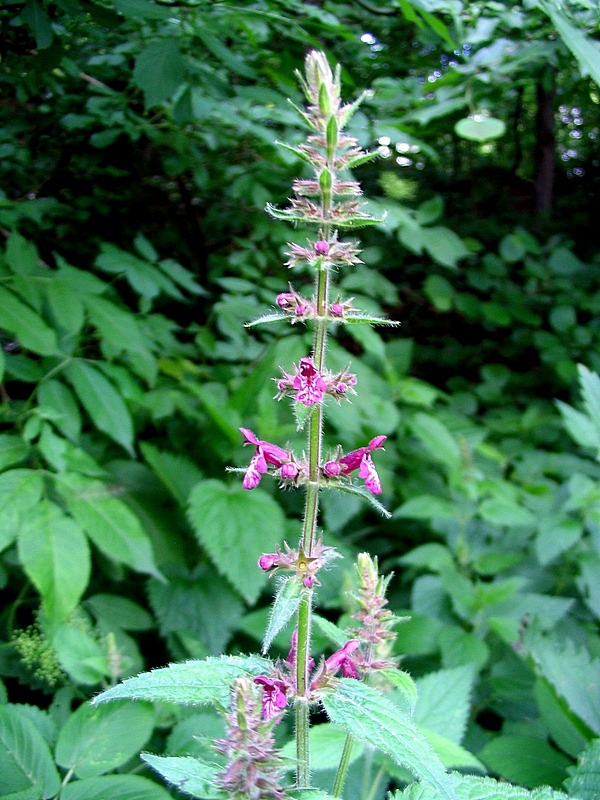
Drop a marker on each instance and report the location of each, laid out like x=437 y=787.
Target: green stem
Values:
x=342 y=770
x=302 y=687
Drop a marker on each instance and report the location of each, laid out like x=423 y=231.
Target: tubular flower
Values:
x=341 y=660
x=307 y=383
x=274 y=697
x=265 y=454
x=361 y=459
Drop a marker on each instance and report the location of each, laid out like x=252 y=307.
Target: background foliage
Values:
x=137 y=152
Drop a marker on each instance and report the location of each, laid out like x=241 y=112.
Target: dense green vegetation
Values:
x=138 y=148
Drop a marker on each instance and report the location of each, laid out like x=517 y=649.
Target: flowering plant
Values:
x=255 y=693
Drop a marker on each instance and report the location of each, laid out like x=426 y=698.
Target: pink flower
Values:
x=268 y=561
x=341 y=660
x=321 y=247
x=331 y=469
x=289 y=471
x=273 y=696
x=309 y=383
x=361 y=459
x=337 y=309
x=265 y=454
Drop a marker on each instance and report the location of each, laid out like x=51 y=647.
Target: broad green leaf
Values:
x=444 y=246
x=336 y=636
x=444 y=702
x=581 y=428
x=439 y=291
x=12 y=449
x=473 y=787
x=66 y=305
x=99 y=739
x=37 y=19
x=573 y=674
x=479 y=128
x=438 y=440
x=120 y=612
x=56 y=396
x=227 y=57
x=178 y=473
x=29 y=328
x=563 y=727
x=285 y=604
x=584 y=780
x=202 y=606
x=426 y=506
x=236 y=526
x=192 y=683
x=55 y=555
x=502 y=511
x=115 y=787
x=526 y=760
x=22 y=255
x=555 y=535
x=371 y=718
x=188 y=774
x=24 y=756
x=159 y=70
x=102 y=402
x=80 y=655
x=20 y=490
x=118 y=328
x=451 y=754
x=326 y=743
x=109 y=522
x=584 y=48
x=589 y=383
x=406 y=689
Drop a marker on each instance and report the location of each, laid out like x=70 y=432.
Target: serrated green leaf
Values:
x=573 y=674
x=103 y=403
x=37 y=19
x=189 y=775
x=159 y=70
x=444 y=702
x=29 y=328
x=120 y=612
x=99 y=739
x=365 y=494
x=56 y=396
x=192 y=683
x=235 y=526
x=584 y=48
x=369 y=717
x=426 y=506
x=285 y=604
x=584 y=780
x=109 y=523
x=20 y=490
x=444 y=246
x=501 y=511
x=438 y=440
x=555 y=535
x=336 y=636
x=12 y=450
x=24 y=756
x=66 y=305
x=178 y=473
x=406 y=693
x=276 y=316
x=115 y=787
x=473 y=787
x=527 y=760
x=451 y=754
x=563 y=727
x=56 y=557
x=580 y=427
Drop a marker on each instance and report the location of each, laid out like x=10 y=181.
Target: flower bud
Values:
x=337 y=309
x=331 y=469
x=289 y=471
x=324 y=100
x=268 y=561
x=331 y=137
x=321 y=247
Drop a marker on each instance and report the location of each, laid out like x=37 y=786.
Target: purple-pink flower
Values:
x=341 y=660
x=274 y=697
x=361 y=459
x=265 y=454
x=308 y=382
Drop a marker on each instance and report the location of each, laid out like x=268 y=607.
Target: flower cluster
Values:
x=254 y=766
x=292 y=470
x=280 y=685
x=304 y=567
x=308 y=386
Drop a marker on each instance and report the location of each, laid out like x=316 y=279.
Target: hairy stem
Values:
x=302 y=685
x=342 y=770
